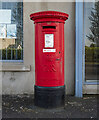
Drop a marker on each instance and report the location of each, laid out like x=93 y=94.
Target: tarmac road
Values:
x=22 y=106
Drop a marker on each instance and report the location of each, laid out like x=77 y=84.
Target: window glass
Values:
x=11 y=31
x=91 y=30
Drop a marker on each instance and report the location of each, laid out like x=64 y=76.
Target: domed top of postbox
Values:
x=49 y=16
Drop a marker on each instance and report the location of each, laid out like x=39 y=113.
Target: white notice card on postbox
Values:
x=49 y=40
x=49 y=50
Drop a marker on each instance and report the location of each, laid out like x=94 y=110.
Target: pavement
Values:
x=22 y=106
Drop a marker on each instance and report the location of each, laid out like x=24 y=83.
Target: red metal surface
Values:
x=49 y=66
x=46 y=16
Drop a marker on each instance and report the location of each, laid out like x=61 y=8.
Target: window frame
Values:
x=78 y=48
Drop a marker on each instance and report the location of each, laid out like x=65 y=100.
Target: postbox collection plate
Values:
x=49 y=40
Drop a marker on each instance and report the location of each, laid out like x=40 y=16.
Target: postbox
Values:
x=49 y=90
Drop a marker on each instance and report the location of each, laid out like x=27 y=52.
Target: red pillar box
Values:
x=49 y=58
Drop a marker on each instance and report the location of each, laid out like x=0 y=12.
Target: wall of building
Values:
x=18 y=78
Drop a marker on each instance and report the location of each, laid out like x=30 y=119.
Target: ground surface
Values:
x=22 y=106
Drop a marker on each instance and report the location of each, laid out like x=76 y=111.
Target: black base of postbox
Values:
x=49 y=97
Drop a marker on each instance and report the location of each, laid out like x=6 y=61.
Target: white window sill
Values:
x=15 y=68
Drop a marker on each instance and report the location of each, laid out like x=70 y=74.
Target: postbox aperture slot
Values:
x=49 y=27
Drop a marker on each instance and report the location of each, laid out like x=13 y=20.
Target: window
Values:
x=11 y=31
x=86 y=50
x=91 y=31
